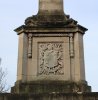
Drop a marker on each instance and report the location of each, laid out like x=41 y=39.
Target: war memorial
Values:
x=50 y=57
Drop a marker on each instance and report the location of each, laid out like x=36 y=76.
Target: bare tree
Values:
x=3 y=85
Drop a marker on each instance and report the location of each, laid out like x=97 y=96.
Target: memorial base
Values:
x=37 y=87
x=51 y=96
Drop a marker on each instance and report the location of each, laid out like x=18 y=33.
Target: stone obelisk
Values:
x=51 y=54
x=51 y=7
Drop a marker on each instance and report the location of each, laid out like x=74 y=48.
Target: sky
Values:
x=13 y=14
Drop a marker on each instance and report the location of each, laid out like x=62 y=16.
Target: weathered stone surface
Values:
x=51 y=56
x=50 y=7
x=30 y=68
x=50 y=21
x=50 y=86
x=51 y=96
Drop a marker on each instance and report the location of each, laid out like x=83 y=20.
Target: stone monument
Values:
x=51 y=56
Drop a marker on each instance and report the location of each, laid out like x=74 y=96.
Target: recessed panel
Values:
x=50 y=58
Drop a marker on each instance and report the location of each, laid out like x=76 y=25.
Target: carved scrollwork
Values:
x=50 y=58
x=30 y=45
x=71 y=45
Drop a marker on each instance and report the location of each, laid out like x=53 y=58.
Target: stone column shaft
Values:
x=51 y=6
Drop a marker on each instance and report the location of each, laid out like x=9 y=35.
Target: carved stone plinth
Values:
x=51 y=57
x=51 y=96
x=51 y=53
x=37 y=87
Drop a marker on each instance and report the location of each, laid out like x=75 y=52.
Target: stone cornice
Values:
x=41 y=30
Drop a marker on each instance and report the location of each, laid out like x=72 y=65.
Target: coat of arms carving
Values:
x=50 y=58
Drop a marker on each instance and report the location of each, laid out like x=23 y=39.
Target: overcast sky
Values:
x=14 y=12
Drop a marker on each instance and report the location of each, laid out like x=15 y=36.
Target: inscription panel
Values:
x=50 y=58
